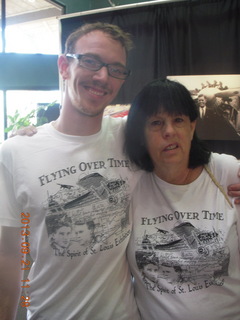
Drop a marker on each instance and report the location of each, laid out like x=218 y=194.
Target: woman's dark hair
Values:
x=160 y=95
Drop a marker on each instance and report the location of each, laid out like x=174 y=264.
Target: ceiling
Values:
x=26 y=10
x=33 y=17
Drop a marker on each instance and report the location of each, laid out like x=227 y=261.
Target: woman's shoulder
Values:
x=225 y=167
x=222 y=160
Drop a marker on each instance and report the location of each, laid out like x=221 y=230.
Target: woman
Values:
x=184 y=222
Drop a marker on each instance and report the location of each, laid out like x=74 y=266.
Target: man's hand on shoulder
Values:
x=26 y=131
x=234 y=191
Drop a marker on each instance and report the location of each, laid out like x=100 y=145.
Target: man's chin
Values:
x=91 y=113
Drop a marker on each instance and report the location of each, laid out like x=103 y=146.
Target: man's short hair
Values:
x=115 y=32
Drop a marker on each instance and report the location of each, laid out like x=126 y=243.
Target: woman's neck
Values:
x=179 y=176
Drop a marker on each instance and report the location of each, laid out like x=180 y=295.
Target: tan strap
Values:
x=211 y=175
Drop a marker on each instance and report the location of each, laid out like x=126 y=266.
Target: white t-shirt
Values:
x=76 y=192
x=184 y=248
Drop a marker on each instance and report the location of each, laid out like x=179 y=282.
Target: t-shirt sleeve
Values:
x=10 y=210
x=226 y=170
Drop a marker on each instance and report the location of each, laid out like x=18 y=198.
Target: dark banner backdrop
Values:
x=182 y=38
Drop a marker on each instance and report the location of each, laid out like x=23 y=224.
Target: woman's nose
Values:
x=168 y=129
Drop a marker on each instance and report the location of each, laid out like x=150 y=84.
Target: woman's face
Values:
x=169 y=139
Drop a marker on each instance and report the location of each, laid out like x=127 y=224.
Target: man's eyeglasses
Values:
x=93 y=64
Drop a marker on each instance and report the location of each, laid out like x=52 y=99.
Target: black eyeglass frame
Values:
x=101 y=64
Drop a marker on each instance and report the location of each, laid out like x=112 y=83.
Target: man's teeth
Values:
x=96 y=92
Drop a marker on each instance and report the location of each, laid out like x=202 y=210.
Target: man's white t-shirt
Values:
x=75 y=192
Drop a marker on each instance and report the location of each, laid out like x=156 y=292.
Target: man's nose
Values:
x=102 y=73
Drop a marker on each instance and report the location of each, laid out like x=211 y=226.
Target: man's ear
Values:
x=63 y=66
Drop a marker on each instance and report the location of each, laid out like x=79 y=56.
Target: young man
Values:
x=72 y=170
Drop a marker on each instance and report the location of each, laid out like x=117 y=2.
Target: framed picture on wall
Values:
x=117 y=110
x=218 y=101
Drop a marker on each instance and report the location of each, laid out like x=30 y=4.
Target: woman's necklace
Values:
x=185 y=180
x=188 y=175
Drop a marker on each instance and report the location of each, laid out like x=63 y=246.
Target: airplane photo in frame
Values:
x=218 y=100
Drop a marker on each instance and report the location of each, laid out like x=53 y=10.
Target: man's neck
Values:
x=77 y=124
